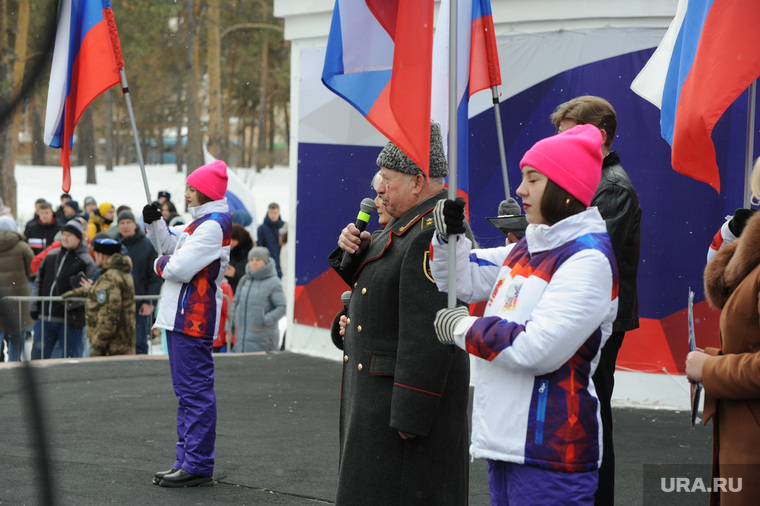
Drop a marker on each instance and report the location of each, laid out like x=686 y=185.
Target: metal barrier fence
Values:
x=20 y=299
x=29 y=298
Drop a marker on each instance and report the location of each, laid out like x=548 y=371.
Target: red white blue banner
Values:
x=379 y=59
x=477 y=69
x=86 y=62
x=706 y=60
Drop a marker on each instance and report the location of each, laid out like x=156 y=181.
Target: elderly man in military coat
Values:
x=403 y=412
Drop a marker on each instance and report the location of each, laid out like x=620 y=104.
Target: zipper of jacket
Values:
x=55 y=280
x=543 y=393
x=181 y=298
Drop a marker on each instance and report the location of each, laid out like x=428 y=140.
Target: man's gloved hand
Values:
x=446 y=321
x=736 y=225
x=448 y=217
x=151 y=213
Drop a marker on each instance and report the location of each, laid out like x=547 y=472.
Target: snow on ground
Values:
x=124 y=185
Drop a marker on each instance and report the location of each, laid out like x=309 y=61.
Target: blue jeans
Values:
x=15 y=339
x=142 y=328
x=54 y=331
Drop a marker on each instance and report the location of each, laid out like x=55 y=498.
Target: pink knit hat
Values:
x=210 y=180
x=572 y=159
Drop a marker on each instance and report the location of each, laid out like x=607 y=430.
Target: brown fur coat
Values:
x=731 y=376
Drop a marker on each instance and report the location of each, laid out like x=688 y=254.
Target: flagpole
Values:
x=138 y=149
x=500 y=134
x=453 y=34
x=750 y=147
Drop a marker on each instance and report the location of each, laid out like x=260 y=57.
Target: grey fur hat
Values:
x=393 y=158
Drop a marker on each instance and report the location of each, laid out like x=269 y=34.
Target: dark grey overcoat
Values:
x=398 y=376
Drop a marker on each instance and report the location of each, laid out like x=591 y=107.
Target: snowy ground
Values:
x=124 y=185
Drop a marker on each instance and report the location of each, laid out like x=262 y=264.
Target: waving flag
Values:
x=477 y=69
x=86 y=62
x=379 y=59
x=708 y=57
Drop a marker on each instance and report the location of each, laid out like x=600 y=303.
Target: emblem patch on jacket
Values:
x=426 y=267
x=101 y=296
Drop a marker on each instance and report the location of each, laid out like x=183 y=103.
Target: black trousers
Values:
x=604 y=382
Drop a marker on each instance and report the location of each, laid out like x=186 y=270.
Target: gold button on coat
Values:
x=359 y=328
x=359 y=367
x=364 y=290
x=345 y=358
x=348 y=321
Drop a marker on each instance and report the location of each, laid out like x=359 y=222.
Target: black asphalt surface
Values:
x=110 y=424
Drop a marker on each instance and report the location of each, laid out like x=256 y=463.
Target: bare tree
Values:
x=214 y=56
x=194 y=146
x=9 y=125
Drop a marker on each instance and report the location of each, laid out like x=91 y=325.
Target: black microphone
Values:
x=345 y=298
x=366 y=208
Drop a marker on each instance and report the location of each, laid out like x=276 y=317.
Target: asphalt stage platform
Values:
x=110 y=424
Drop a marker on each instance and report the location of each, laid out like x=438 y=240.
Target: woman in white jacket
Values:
x=552 y=298
x=189 y=311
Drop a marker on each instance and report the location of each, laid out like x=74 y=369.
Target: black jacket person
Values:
x=403 y=418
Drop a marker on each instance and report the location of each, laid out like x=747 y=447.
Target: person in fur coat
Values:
x=259 y=304
x=731 y=375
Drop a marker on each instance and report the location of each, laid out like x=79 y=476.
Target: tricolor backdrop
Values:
x=337 y=149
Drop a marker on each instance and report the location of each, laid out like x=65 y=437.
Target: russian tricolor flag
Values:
x=86 y=62
x=708 y=57
x=477 y=69
x=379 y=59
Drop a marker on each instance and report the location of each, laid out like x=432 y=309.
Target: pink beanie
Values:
x=572 y=159
x=210 y=180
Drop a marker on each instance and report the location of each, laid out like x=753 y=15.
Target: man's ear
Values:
x=418 y=183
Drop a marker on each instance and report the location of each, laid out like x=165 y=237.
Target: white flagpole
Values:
x=138 y=149
x=750 y=147
x=452 y=300
x=500 y=134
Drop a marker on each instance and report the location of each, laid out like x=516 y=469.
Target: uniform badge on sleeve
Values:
x=426 y=267
x=101 y=296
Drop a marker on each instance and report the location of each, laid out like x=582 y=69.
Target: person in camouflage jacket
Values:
x=110 y=308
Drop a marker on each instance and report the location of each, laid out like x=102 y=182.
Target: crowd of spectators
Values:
x=52 y=253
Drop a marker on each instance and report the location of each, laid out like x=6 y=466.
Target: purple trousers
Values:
x=192 y=366
x=513 y=484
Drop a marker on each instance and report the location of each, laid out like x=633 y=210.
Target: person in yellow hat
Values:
x=101 y=219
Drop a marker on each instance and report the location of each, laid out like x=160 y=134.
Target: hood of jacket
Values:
x=732 y=264
x=269 y=270
x=82 y=249
x=118 y=262
x=9 y=239
x=545 y=237
x=215 y=206
x=128 y=241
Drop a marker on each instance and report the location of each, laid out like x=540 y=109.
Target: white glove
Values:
x=446 y=320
